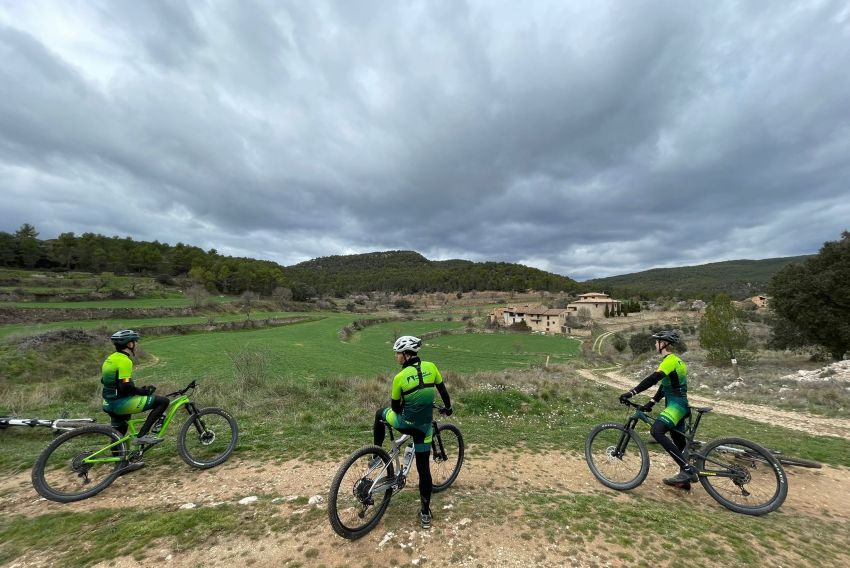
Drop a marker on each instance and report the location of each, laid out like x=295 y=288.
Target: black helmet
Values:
x=670 y=337
x=123 y=337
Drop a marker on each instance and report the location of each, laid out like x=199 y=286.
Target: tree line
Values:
x=90 y=252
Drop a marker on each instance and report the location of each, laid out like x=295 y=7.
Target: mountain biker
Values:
x=673 y=375
x=121 y=397
x=412 y=400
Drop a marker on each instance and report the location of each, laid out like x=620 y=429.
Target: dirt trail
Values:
x=460 y=537
x=816 y=425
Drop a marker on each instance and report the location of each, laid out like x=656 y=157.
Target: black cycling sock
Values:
x=379 y=431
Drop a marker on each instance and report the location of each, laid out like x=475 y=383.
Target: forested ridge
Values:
x=409 y=272
x=738 y=279
x=391 y=271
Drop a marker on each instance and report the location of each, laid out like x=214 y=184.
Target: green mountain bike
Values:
x=361 y=490
x=85 y=461
x=739 y=474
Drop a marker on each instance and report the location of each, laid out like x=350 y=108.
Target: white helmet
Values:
x=407 y=343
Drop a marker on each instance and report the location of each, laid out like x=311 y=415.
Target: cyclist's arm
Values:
x=648 y=382
x=395 y=395
x=444 y=394
x=659 y=394
x=126 y=387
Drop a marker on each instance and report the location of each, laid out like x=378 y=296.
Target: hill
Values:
x=409 y=272
x=738 y=278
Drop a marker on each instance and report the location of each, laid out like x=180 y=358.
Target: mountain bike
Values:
x=361 y=490
x=739 y=474
x=83 y=462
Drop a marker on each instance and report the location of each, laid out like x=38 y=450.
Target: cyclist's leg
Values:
x=422 y=448
x=118 y=421
x=666 y=421
x=379 y=430
x=159 y=404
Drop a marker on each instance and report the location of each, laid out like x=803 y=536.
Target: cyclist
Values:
x=673 y=375
x=412 y=400
x=121 y=397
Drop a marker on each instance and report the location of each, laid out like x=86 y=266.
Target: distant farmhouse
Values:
x=596 y=302
x=553 y=321
x=760 y=301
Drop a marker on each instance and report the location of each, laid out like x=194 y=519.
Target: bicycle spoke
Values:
x=742 y=479
x=78 y=465
x=446 y=456
x=615 y=457
x=360 y=494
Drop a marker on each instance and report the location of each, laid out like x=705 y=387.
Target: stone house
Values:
x=537 y=318
x=595 y=302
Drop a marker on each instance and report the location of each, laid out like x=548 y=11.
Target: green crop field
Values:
x=174 y=302
x=313 y=349
x=114 y=324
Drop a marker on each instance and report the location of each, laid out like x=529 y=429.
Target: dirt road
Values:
x=816 y=425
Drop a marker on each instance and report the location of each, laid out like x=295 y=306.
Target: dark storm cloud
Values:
x=587 y=140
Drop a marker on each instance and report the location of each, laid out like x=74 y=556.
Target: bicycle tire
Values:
x=448 y=441
x=600 y=454
x=343 y=507
x=785 y=459
x=58 y=474
x=201 y=450
x=759 y=484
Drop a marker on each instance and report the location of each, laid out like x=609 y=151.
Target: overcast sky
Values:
x=585 y=138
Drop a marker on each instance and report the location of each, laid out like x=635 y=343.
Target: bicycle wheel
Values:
x=207 y=438
x=446 y=456
x=791 y=460
x=60 y=473
x=617 y=457
x=739 y=481
x=354 y=506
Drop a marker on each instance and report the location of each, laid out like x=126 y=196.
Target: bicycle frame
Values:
x=104 y=455
x=687 y=428
x=395 y=452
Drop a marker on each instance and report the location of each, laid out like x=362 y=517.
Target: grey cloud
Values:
x=576 y=137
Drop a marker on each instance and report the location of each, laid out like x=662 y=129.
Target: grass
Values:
x=109 y=325
x=181 y=302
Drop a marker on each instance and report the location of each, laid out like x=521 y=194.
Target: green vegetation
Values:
x=408 y=272
x=738 y=279
x=723 y=333
x=812 y=301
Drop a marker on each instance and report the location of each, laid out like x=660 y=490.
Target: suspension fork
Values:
x=193 y=411
x=625 y=437
x=437 y=443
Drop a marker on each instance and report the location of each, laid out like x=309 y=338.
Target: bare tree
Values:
x=248 y=299
x=199 y=296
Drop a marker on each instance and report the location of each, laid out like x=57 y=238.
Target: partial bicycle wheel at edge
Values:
x=446 y=456
x=353 y=507
x=61 y=475
x=617 y=457
x=740 y=482
x=207 y=438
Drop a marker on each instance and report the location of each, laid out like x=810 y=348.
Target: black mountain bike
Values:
x=361 y=490
x=739 y=474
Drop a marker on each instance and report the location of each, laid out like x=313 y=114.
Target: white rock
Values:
x=450 y=506
x=387 y=537
x=291 y=498
x=248 y=500
x=188 y=506
x=315 y=500
x=464 y=521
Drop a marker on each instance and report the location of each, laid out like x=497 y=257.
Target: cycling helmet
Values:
x=407 y=343
x=670 y=337
x=123 y=337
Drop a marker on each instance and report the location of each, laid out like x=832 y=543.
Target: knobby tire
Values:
x=207 y=438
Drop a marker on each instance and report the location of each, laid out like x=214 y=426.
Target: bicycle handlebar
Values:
x=191 y=386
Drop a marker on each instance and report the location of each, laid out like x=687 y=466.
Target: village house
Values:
x=760 y=301
x=595 y=302
x=553 y=321
x=537 y=318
